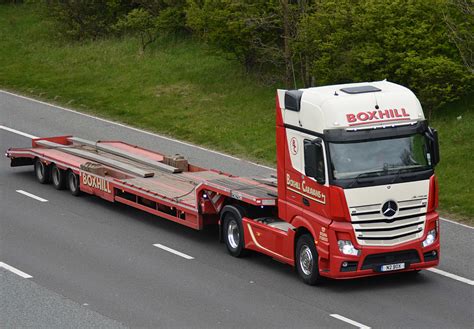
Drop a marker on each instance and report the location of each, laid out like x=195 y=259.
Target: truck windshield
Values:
x=379 y=157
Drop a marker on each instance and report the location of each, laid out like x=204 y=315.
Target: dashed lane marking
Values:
x=347 y=320
x=17 y=132
x=15 y=270
x=451 y=276
x=171 y=250
x=32 y=196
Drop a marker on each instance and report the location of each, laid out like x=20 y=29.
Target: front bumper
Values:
x=411 y=254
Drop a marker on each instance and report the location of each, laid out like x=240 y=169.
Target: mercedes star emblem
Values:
x=389 y=208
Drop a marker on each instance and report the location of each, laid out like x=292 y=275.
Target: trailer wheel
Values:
x=307 y=260
x=58 y=178
x=73 y=183
x=234 y=235
x=42 y=172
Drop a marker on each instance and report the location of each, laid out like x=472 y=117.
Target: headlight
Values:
x=430 y=238
x=346 y=247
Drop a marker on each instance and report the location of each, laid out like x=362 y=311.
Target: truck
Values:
x=354 y=193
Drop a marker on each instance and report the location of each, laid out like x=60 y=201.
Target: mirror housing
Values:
x=314 y=160
x=293 y=100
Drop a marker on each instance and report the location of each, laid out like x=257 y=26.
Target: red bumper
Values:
x=412 y=254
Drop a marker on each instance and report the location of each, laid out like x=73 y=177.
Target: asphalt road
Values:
x=99 y=258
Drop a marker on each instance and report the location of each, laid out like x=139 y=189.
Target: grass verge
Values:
x=179 y=88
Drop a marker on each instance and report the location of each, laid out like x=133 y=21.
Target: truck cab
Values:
x=355 y=167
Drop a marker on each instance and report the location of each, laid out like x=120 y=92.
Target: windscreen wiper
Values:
x=363 y=175
x=406 y=169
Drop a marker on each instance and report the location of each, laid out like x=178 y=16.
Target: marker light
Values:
x=430 y=238
x=346 y=247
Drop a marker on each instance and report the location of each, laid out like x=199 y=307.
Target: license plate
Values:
x=392 y=267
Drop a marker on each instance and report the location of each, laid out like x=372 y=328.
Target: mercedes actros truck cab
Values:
x=356 y=173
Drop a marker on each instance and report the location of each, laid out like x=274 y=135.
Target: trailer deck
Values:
x=139 y=177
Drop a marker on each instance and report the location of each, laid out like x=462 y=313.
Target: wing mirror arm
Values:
x=432 y=136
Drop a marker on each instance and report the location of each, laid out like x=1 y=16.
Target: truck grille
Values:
x=371 y=228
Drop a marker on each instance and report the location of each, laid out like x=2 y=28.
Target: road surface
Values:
x=103 y=262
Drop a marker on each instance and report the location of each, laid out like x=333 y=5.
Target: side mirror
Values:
x=432 y=136
x=314 y=160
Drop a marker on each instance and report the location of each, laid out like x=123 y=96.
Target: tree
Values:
x=170 y=14
x=250 y=30
x=153 y=18
x=459 y=19
x=140 y=21
x=403 y=41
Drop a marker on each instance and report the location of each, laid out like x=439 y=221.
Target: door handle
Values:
x=305 y=201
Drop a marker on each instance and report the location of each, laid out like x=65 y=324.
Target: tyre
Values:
x=73 y=183
x=42 y=172
x=307 y=260
x=58 y=178
x=234 y=235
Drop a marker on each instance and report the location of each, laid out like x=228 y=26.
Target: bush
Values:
x=86 y=19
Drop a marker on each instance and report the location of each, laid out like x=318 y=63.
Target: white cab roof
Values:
x=329 y=107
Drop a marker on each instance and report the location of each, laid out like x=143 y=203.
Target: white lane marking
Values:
x=17 y=132
x=133 y=128
x=354 y=323
x=176 y=252
x=32 y=196
x=15 y=270
x=451 y=276
x=453 y=222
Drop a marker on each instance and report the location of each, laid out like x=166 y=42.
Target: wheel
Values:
x=73 y=183
x=234 y=235
x=42 y=172
x=307 y=260
x=58 y=178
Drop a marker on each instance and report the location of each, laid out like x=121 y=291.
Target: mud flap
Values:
x=19 y=162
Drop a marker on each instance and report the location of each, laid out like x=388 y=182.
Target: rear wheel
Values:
x=58 y=178
x=42 y=172
x=234 y=235
x=307 y=260
x=73 y=183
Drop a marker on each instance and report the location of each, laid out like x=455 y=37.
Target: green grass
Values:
x=455 y=124
x=175 y=88
x=182 y=89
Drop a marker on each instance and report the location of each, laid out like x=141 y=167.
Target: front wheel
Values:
x=307 y=260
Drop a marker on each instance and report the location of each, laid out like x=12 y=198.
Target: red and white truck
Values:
x=355 y=192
